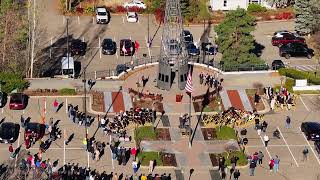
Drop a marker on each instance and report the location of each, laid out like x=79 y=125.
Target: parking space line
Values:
x=304 y=104
x=78 y=19
x=114 y=39
x=148 y=46
x=16 y=159
x=100 y=53
x=122 y=19
x=111 y=153
x=278 y=145
x=66 y=105
x=88 y=156
x=310 y=146
x=2 y=110
x=22 y=111
x=63 y=19
x=288 y=147
x=266 y=147
x=92 y=20
x=64 y=146
x=45 y=105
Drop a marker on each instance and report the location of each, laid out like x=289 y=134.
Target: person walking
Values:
x=252 y=167
x=276 y=164
x=11 y=151
x=134 y=153
x=22 y=121
x=266 y=140
x=260 y=158
x=56 y=105
x=151 y=165
x=272 y=103
x=271 y=164
x=264 y=126
x=305 y=153
x=288 y=122
x=236 y=174
x=233 y=161
x=135 y=166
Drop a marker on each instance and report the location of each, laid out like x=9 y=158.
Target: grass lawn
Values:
x=226 y=133
x=145 y=133
x=145 y=158
x=307 y=92
x=251 y=92
x=242 y=157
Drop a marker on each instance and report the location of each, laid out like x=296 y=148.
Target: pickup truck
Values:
x=286 y=39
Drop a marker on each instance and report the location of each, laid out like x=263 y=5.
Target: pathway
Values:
x=237 y=98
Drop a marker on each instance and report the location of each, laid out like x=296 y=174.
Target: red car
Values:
x=33 y=131
x=18 y=101
x=126 y=47
x=286 y=38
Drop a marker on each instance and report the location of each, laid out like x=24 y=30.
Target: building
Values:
x=226 y=5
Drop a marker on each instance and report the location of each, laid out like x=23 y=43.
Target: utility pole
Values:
x=33 y=38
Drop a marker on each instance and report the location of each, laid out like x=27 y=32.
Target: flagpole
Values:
x=190 y=135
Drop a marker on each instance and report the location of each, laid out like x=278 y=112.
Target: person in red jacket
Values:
x=134 y=153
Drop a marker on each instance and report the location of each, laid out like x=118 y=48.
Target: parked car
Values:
x=78 y=47
x=188 y=37
x=286 y=38
x=37 y=128
x=284 y=33
x=9 y=132
x=121 y=68
x=277 y=64
x=132 y=17
x=18 y=101
x=193 y=50
x=295 y=50
x=135 y=3
x=3 y=99
x=126 y=47
x=317 y=146
x=102 y=15
x=108 y=46
x=311 y=130
x=209 y=48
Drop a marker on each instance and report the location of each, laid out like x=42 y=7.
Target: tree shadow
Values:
x=258 y=48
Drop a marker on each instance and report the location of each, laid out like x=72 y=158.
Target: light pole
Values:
x=148 y=31
x=68 y=46
x=85 y=101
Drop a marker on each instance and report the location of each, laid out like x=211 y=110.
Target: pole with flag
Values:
x=189 y=90
x=124 y=51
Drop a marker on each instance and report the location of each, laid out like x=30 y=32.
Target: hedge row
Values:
x=12 y=81
x=296 y=74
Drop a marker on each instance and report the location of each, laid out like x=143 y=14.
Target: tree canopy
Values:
x=235 y=40
x=307 y=16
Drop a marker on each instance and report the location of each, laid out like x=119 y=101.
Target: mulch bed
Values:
x=213 y=104
x=46 y=92
x=209 y=133
x=163 y=134
x=98 y=101
x=142 y=103
x=259 y=106
x=214 y=160
x=168 y=159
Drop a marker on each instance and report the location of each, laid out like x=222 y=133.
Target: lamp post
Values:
x=84 y=80
x=68 y=46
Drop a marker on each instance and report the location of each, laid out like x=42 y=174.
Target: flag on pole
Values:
x=188 y=87
x=124 y=48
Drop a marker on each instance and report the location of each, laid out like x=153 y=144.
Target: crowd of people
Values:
x=279 y=99
x=234 y=173
x=209 y=80
x=79 y=117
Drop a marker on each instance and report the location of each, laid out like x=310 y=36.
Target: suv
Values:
x=78 y=47
x=102 y=15
x=121 y=68
x=209 y=48
x=311 y=130
x=108 y=46
x=286 y=38
x=9 y=132
x=295 y=50
x=18 y=101
x=126 y=47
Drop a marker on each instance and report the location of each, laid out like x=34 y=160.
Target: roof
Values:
x=64 y=63
x=101 y=9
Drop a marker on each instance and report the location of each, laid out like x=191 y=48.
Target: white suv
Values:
x=132 y=17
x=135 y=3
x=102 y=15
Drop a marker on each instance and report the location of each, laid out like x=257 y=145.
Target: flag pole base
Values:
x=190 y=144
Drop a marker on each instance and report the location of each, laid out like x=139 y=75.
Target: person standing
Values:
x=260 y=158
x=264 y=126
x=272 y=103
x=259 y=127
x=151 y=165
x=11 y=151
x=236 y=174
x=305 y=153
x=276 y=164
x=288 y=122
x=271 y=164
x=56 y=105
x=252 y=167
x=266 y=140
x=134 y=153
x=233 y=162
x=135 y=166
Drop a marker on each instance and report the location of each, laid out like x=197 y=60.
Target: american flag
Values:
x=188 y=87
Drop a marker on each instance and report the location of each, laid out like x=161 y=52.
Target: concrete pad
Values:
x=77 y=156
x=286 y=160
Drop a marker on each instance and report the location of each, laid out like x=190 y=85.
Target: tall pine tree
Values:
x=305 y=17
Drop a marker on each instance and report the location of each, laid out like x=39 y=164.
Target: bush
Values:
x=256 y=8
x=296 y=74
x=79 y=10
x=226 y=133
x=159 y=14
x=67 y=91
x=146 y=157
x=120 y=9
x=12 y=81
x=89 y=10
x=145 y=133
x=284 y=15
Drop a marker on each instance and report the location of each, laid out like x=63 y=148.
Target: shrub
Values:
x=256 y=8
x=67 y=91
x=135 y=9
x=120 y=9
x=159 y=14
x=296 y=74
x=12 y=81
x=89 y=10
x=79 y=10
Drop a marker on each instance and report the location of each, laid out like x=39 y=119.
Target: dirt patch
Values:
x=168 y=159
x=163 y=134
x=213 y=105
x=209 y=133
x=214 y=160
x=259 y=106
x=98 y=101
x=143 y=103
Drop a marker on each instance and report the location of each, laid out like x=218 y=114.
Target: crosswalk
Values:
x=305 y=67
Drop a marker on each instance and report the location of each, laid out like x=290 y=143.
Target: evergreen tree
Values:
x=184 y=4
x=235 y=40
x=305 y=17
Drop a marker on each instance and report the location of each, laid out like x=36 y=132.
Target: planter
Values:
x=168 y=159
x=163 y=134
x=209 y=134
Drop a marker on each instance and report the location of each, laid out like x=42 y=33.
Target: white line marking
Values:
x=122 y=19
x=15 y=162
x=266 y=148
x=100 y=49
x=278 y=145
x=148 y=46
x=111 y=153
x=304 y=104
x=64 y=147
x=23 y=112
x=50 y=51
x=2 y=110
x=63 y=19
x=310 y=146
x=288 y=147
x=92 y=20
x=114 y=39
x=78 y=19
x=66 y=105
x=45 y=105
x=88 y=159
x=83 y=41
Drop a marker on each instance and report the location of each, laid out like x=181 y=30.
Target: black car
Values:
x=311 y=130
x=187 y=36
x=317 y=146
x=192 y=50
x=277 y=64
x=127 y=47
x=121 y=68
x=295 y=50
x=78 y=47
x=3 y=99
x=209 y=48
x=9 y=132
x=109 y=47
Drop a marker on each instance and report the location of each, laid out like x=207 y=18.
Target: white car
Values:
x=132 y=17
x=135 y=3
x=102 y=15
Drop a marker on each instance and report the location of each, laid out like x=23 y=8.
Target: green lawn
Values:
x=307 y=92
x=207 y=109
x=226 y=133
x=145 y=158
x=242 y=157
x=145 y=133
x=251 y=92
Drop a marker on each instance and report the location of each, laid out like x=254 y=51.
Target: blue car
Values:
x=192 y=50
